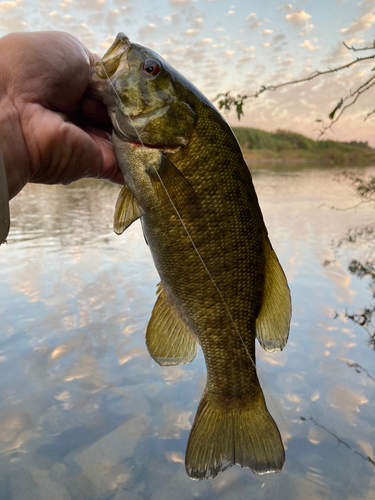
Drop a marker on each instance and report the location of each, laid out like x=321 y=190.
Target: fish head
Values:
x=146 y=98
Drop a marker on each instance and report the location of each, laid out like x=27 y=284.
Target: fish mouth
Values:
x=107 y=66
x=104 y=70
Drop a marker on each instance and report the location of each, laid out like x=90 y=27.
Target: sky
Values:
x=221 y=46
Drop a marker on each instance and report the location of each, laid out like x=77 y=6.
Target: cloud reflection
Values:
x=346 y=401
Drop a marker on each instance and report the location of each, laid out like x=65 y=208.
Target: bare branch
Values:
x=227 y=101
x=338 y=209
x=354 y=95
x=312 y=76
x=369 y=114
x=357 y=50
x=339 y=440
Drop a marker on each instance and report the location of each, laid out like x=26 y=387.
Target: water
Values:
x=85 y=414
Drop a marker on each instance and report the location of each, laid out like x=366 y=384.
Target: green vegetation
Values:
x=282 y=144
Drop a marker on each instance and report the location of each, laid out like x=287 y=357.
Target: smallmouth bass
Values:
x=221 y=285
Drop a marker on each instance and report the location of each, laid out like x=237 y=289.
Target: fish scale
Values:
x=221 y=284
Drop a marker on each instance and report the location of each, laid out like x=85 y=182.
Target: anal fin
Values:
x=127 y=210
x=273 y=321
x=168 y=338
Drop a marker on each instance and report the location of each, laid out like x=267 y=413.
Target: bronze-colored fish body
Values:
x=221 y=282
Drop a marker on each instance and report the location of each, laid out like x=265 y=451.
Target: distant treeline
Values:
x=288 y=145
x=281 y=140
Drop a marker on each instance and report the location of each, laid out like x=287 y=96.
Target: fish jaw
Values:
x=104 y=75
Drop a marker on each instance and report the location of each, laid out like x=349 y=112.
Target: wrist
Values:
x=13 y=148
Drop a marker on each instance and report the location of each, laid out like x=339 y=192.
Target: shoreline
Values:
x=326 y=157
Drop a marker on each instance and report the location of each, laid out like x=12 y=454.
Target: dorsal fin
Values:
x=169 y=340
x=127 y=211
x=273 y=321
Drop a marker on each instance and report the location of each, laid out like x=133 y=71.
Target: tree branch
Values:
x=226 y=101
x=357 y=50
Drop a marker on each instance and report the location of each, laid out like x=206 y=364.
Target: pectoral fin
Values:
x=273 y=321
x=171 y=184
x=169 y=340
x=127 y=211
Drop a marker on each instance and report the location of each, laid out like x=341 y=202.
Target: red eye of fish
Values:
x=151 y=67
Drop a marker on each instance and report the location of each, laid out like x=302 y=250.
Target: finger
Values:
x=92 y=130
x=95 y=110
x=109 y=169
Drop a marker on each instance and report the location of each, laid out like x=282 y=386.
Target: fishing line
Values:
x=191 y=240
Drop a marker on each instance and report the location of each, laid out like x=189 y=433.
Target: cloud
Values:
x=146 y=30
x=15 y=23
x=203 y=42
x=252 y=18
x=108 y=42
x=265 y=44
x=297 y=17
x=65 y=4
x=244 y=59
x=217 y=30
x=361 y=24
x=89 y=4
x=307 y=28
x=267 y=32
x=191 y=32
x=174 y=18
x=229 y=13
x=181 y=4
x=278 y=38
x=338 y=54
x=286 y=62
x=286 y=8
x=308 y=45
x=7 y=6
x=111 y=19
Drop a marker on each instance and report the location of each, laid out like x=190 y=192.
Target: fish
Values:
x=221 y=284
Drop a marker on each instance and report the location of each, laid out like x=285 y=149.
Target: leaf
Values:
x=332 y=114
x=339 y=104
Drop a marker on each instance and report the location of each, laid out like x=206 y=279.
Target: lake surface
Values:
x=85 y=413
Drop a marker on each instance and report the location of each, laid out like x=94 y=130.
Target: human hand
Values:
x=50 y=131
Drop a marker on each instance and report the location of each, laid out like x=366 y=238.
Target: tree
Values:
x=227 y=101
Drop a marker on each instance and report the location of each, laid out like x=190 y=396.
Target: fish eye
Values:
x=151 y=67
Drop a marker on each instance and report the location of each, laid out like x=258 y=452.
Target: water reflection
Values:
x=84 y=411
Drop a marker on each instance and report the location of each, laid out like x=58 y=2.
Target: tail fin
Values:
x=245 y=436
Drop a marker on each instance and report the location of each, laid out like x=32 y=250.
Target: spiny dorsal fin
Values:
x=273 y=321
x=169 y=340
x=127 y=211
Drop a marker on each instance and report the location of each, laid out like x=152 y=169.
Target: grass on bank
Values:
x=259 y=145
